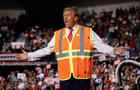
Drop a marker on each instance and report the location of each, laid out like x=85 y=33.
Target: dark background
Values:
x=44 y=13
x=48 y=13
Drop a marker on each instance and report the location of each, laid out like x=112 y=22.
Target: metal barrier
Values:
x=119 y=67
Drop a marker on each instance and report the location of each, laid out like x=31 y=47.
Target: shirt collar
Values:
x=74 y=27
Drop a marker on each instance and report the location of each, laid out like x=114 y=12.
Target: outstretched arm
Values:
x=104 y=48
x=36 y=55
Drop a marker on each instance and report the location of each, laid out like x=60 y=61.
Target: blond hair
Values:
x=74 y=9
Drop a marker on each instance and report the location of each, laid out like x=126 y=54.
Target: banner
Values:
x=49 y=81
x=9 y=57
x=21 y=76
x=117 y=62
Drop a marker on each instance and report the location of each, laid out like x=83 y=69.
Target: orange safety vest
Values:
x=75 y=57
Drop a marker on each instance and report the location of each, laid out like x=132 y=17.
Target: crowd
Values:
x=46 y=77
x=103 y=77
x=37 y=38
x=120 y=27
x=36 y=78
x=9 y=32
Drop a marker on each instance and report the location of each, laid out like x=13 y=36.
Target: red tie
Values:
x=70 y=35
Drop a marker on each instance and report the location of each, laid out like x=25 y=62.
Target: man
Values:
x=73 y=46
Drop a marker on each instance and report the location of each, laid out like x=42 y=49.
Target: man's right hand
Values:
x=22 y=56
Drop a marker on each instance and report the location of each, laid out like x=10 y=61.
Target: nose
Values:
x=64 y=17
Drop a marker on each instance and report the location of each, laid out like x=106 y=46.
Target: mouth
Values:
x=66 y=22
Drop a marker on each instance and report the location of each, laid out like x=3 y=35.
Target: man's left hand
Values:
x=120 y=50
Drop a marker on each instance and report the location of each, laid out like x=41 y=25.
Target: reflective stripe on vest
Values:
x=88 y=54
x=60 y=42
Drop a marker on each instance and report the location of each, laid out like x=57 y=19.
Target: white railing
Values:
x=119 y=67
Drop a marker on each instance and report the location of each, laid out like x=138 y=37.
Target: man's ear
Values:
x=76 y=18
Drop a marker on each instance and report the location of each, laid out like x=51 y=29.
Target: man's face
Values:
x=69 y=18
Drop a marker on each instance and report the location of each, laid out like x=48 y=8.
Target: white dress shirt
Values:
x=96 y=40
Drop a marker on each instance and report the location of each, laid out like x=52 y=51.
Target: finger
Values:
x=116 y=45
x=24 y=51
x=119 y=52
x=123 y=49
x=125 y=52
x=18 y=56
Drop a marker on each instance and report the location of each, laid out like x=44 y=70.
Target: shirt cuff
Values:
x=111 y=53
x=31 y=58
